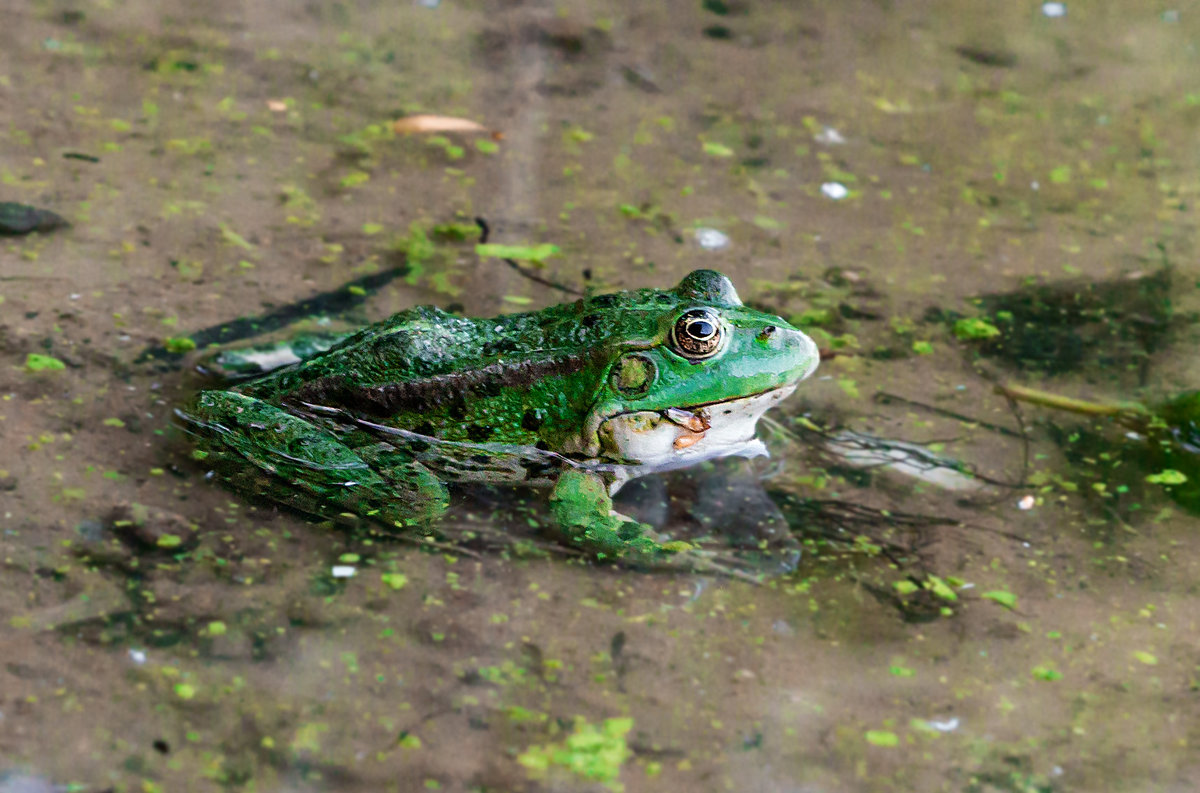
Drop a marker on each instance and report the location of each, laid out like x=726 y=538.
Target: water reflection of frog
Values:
x=582 y=397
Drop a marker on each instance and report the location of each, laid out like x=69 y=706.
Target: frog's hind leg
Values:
x=308 y=467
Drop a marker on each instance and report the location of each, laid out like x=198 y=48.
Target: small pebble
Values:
x=1054 y=10
x=1026 y=502
x=137 y=656
x=344 y=571
x=829 y=136
x=711 y=239
x=835 y=190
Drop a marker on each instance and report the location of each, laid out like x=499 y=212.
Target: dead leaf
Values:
x=425 y=123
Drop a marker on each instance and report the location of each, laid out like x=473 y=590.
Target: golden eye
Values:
x=697 y=334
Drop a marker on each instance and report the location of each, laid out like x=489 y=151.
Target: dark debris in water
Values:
x=1076 y=325
x=723 y=9
x=1128 y=451
x=331 y=303
x=719 y=32
x=901 y=536
x=577 y=53
x=18 y=219
x=987 y=56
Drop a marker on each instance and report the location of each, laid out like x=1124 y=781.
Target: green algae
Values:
x=592 y=752
x=528 y=253
x=952 y=155
x=36 y=362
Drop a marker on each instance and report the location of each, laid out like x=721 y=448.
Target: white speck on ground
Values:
x=835 y=190
x=711 y=239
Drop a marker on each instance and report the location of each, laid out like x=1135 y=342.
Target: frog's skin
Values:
x=582 y=397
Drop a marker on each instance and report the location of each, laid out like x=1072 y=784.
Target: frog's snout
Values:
x=795 y=345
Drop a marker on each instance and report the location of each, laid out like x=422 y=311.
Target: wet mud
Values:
x=896 y=178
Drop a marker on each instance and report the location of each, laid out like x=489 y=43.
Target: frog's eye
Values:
x=697 y=334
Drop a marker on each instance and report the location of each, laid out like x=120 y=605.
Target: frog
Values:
x=579 y=398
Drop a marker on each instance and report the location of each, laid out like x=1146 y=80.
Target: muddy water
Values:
x=159 y=633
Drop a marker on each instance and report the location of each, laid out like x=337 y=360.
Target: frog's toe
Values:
x=239 y=363
x=672 y=557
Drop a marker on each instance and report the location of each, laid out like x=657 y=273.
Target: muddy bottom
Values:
x=1020 y=616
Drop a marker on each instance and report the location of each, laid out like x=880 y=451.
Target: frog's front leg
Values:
x=303 y=458
x=584 y=513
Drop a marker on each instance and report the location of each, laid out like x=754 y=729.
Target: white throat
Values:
x=649 y=442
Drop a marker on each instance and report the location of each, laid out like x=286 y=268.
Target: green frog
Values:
x=580 y=397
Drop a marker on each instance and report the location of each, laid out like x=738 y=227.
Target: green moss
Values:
x=973 y=328
x=394 y=580
x=1046 y=673
x=1006 y=599
x=882 y=738
x=590 y=752
x=43 y=363
x=529 y=253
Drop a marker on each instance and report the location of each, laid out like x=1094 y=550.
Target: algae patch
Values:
x=591 y=752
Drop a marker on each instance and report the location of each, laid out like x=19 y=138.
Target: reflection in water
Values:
x=1014 y=202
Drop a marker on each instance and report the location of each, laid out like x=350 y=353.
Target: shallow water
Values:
x=238 y=170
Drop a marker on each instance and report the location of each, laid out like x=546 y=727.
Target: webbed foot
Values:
x=583 y=510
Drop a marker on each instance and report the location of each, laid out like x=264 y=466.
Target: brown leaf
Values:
x=425 y=123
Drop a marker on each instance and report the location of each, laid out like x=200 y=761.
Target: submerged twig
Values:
x=484 y=231
x=885 y=397
x=1131 y=415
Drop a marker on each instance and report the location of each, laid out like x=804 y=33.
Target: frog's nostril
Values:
x=767 y=332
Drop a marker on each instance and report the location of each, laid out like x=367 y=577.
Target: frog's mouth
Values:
x=652 y=441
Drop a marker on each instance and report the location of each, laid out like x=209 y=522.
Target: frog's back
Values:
x=426 y=343
x=526 y=378
x=411 y=345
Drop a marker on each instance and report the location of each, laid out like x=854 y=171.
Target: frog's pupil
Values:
x=701 y=329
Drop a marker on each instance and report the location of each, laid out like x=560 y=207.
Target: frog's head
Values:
x=695 y=389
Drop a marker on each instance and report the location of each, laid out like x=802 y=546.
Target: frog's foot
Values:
x=586 y=519
x=696 y=560
x=240 y=363
x=299 y=457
